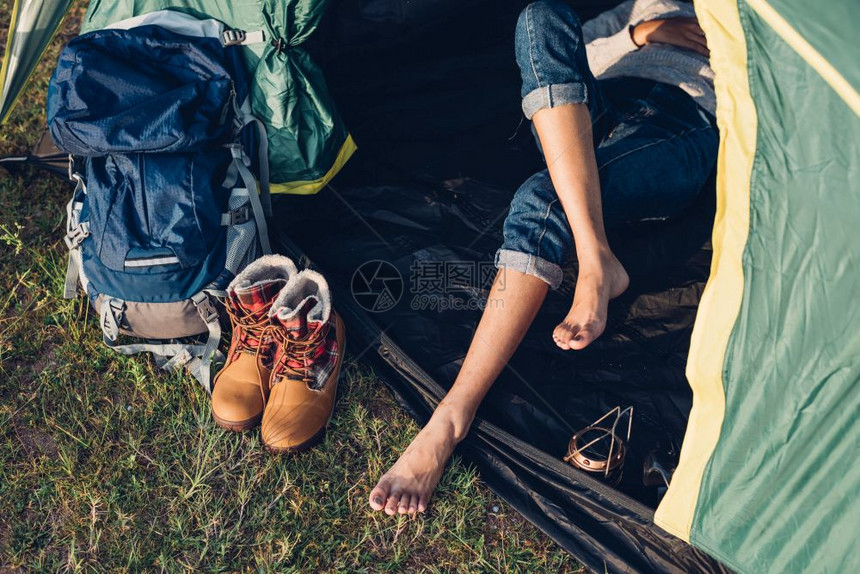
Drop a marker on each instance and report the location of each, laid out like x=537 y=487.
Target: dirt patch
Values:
x=378 y=407
x=46 y=359
x=5 y=539
x=35 y=364
x=494 y=522
x=36 y=442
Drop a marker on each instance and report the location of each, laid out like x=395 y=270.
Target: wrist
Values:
x=633 y=36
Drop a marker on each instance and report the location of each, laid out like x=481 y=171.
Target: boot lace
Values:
x=249 y=328
x=298 y=355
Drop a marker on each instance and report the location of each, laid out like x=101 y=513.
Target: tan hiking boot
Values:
x=309 y=341
x=242 y=385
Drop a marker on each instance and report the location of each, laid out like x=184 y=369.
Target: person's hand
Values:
x=682 y=32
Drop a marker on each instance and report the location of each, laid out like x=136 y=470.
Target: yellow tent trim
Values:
x=721 y=300
x=805 y=50
x=310 y=187
x=7 y=57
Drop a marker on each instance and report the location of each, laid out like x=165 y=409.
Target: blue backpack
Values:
x=166 y=211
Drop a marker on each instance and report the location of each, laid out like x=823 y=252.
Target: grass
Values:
x=107 y=464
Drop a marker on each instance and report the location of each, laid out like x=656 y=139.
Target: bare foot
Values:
x=409 y=484
x=586 y=319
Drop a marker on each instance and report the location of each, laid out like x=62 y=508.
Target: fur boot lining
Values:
x=302 y=287
x=266 y=268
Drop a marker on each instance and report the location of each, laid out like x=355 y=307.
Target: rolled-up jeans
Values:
x=654 y=146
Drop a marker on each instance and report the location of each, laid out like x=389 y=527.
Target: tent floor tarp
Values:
x=442 y=148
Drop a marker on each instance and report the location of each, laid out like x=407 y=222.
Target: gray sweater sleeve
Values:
x=610 y=22
x=612 y=53
x=607 y=37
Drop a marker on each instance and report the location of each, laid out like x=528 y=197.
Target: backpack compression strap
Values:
x=76 y=232
x=251 y=185
x=245 y=117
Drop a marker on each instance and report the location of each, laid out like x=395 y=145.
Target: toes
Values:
x=564 y=335
x=413 y=504
x=379 y=495
x=422 y=504
x=562 y=344
x=577 y=336
x=403 y=505
x=585 y=336
x=392 y=504
x=581 y=341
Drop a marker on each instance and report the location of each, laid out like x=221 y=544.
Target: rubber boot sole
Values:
x=301 y=447
x=237 y=426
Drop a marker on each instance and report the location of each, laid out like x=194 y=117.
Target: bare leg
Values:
x=512 y=306
x=565 y=135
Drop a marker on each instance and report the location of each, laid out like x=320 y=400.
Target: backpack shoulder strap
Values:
x=245 y=117
x=250 y=183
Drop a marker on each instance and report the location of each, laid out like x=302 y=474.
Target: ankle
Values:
x=596 y=257
x=599 y=264
x=452 y=421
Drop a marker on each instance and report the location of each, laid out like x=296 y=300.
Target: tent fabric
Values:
x=766 y=481
x=308 y=141
x=722 y=300
x=31 y=28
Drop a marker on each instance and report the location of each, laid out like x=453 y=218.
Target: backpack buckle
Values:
x=232 y=37
x=112 y=313
x=236 y=216
x=77 y=235
x=205 y=308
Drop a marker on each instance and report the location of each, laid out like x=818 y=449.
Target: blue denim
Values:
x=654 y=146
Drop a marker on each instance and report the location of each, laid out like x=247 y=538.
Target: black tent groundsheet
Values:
x=407 y=235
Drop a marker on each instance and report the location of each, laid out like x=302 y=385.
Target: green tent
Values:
x=31 y=27
x=767 y=480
